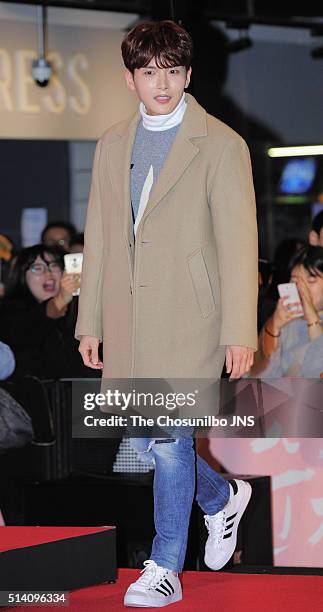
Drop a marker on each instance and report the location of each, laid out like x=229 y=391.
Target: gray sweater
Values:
x=150 y=149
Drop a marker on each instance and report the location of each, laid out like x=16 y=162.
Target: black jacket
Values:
x=42 y=346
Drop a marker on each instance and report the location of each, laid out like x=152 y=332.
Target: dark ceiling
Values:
x=236 y=12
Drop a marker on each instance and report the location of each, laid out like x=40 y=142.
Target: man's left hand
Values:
x=238 y=360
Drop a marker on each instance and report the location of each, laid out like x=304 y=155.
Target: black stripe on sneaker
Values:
x=162 y=586
x=227 y=535
x=162 y=592
x=229 y=518
x=229 y=526
x=170 y=585
x=234 y=486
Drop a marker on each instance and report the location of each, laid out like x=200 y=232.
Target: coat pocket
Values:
x=201 y=283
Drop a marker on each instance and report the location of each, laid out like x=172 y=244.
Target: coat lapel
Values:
x=119 y=159
x=181 y=154
x=179 y=158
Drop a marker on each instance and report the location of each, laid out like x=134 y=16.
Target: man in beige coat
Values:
x=170 y=280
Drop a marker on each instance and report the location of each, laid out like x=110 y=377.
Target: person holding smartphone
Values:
x=37 y=315
x=293 y=328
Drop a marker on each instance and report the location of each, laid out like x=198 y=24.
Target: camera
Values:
x=41 y=71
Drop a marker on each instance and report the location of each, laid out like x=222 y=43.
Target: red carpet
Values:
x=12 y=538
x=208 y=591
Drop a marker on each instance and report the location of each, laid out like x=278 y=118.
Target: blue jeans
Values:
x=174 y=486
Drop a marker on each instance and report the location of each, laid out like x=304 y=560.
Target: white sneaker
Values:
x=157 y=587
x=223 y=526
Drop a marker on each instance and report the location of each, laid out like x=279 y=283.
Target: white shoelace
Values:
x=215 y=525
x=152 y=574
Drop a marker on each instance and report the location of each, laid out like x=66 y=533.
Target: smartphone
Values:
x=290 y=292
x=73 y=265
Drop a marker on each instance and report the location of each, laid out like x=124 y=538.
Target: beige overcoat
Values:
x=168 y=303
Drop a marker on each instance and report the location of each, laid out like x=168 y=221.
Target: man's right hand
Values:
x=89 y=349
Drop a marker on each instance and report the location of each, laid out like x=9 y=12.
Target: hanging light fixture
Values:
x=41 y=67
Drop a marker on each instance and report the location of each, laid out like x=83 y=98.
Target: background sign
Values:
x=87 y=93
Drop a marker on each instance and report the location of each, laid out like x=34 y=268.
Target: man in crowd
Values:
x=58 y=234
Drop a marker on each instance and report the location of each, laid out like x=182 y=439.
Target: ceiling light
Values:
x=295 y=151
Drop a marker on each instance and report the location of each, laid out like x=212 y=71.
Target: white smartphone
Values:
x=290 y=292
x=73 y=265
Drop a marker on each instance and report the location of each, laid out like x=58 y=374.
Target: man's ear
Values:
x=188 y=77
x=313 y=238
x=129 y=79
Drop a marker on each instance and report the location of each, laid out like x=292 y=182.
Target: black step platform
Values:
x=56 y=558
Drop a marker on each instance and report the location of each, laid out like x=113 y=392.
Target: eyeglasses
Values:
x=40 y=268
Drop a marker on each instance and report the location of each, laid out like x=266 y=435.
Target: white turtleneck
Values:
x=163 y=122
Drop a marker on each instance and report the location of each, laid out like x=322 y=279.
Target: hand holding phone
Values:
x=289 y=293
x=73 y=265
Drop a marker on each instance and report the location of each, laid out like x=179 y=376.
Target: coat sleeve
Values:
x=233 y=210
x=89 y=320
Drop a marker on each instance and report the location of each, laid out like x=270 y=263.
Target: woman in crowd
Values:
x=37 y=316
x=275 y=273
x=290 y=345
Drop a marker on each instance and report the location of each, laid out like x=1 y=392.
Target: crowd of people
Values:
x=38 y=310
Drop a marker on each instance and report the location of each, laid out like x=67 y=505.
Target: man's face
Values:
x=160 y=89
x=57 y=237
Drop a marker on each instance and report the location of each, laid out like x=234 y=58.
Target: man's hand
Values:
x=89 y=349
x=238 y=360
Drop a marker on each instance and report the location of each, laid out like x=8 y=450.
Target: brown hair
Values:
x=166 y=41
